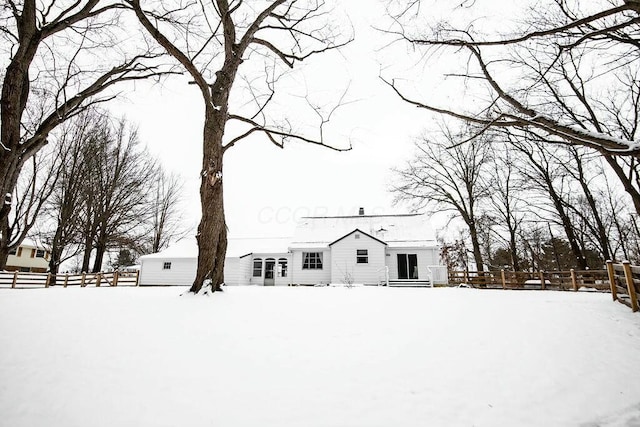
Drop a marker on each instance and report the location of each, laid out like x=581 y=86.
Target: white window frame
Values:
x=257 y=261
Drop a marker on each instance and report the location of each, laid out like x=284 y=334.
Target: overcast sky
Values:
x=267 y=189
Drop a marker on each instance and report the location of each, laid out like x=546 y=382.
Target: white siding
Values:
x=344 y=267
x=426 y=257
x=182 y=272
x=236 y=271
x=310 y=277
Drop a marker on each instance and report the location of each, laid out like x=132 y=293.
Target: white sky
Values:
x=266 y=188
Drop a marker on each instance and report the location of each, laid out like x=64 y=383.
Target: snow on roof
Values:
x=236 y=247
x=396 y=230
x=30 y=243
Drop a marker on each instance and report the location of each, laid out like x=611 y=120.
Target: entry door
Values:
x=269 y=272
x=408 y=266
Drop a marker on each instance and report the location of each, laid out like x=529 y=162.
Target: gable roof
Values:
x=357 y=231
x=406 y=230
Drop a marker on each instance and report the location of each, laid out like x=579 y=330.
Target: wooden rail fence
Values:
x=622 y=280
x=20 y=280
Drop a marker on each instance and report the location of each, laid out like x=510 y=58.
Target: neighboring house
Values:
x=28 y=257
x=358 y=249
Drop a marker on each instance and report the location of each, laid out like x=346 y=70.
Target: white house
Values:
x=358 y=249
x=366 y=249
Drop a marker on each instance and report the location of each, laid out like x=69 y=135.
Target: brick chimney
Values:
x=361 y=211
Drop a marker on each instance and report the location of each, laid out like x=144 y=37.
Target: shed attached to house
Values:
x=177 y=264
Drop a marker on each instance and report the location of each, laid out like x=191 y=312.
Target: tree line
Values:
x=542 y=165
x=524 y=204
x=98 y=190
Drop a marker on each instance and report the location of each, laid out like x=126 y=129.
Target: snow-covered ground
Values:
x=305 y=357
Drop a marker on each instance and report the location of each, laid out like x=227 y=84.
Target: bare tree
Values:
x=591 y=214
x=215 y=39
x=35 y=184
x=446 y=175
x=562 y=52
x=46 y=47
x=544 y=173
x=506 y=197
x=62 y=212
x=164 y=207
x=115 y=191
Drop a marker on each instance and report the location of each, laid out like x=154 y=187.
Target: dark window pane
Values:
x=402 y=266
x=413 y=266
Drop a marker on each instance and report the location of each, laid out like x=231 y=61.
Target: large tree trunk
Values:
x=15 y=92
x=4 y=254
x=513 y=249
x=56 y=254
x=475 y=243
x=86 y=258
x=212 y=231
x=8 y=181
x=97 y=262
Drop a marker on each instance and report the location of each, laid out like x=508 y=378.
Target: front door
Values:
x=269 y=272
x=408 y=266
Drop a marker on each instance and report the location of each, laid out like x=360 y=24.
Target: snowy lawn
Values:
x=300 y=357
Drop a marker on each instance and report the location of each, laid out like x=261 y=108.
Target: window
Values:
x=257 y=267
x=357 y=236
x=312 y=260
x=362 y=256
x=40 y=253
x=13 y=251
x=19 y=251
x=166 y=265
x=282 y=267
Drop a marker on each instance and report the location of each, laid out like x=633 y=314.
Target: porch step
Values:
x=410 y=283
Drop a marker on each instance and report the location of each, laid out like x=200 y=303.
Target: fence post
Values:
x=466 y=277
x=48 y=282
x=137 y=277
x=66 y=279
x=115 y=278
x=612 y=280
x=628 y=275
x=98 y=278
x=574 y=280
x=543 y=284
x=504 y=281
x=15 y=279
x=82 y=284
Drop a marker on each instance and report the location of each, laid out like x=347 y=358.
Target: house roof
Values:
x=236 y=247
x=406 y=230
x=29 y=243
x=357 y=231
